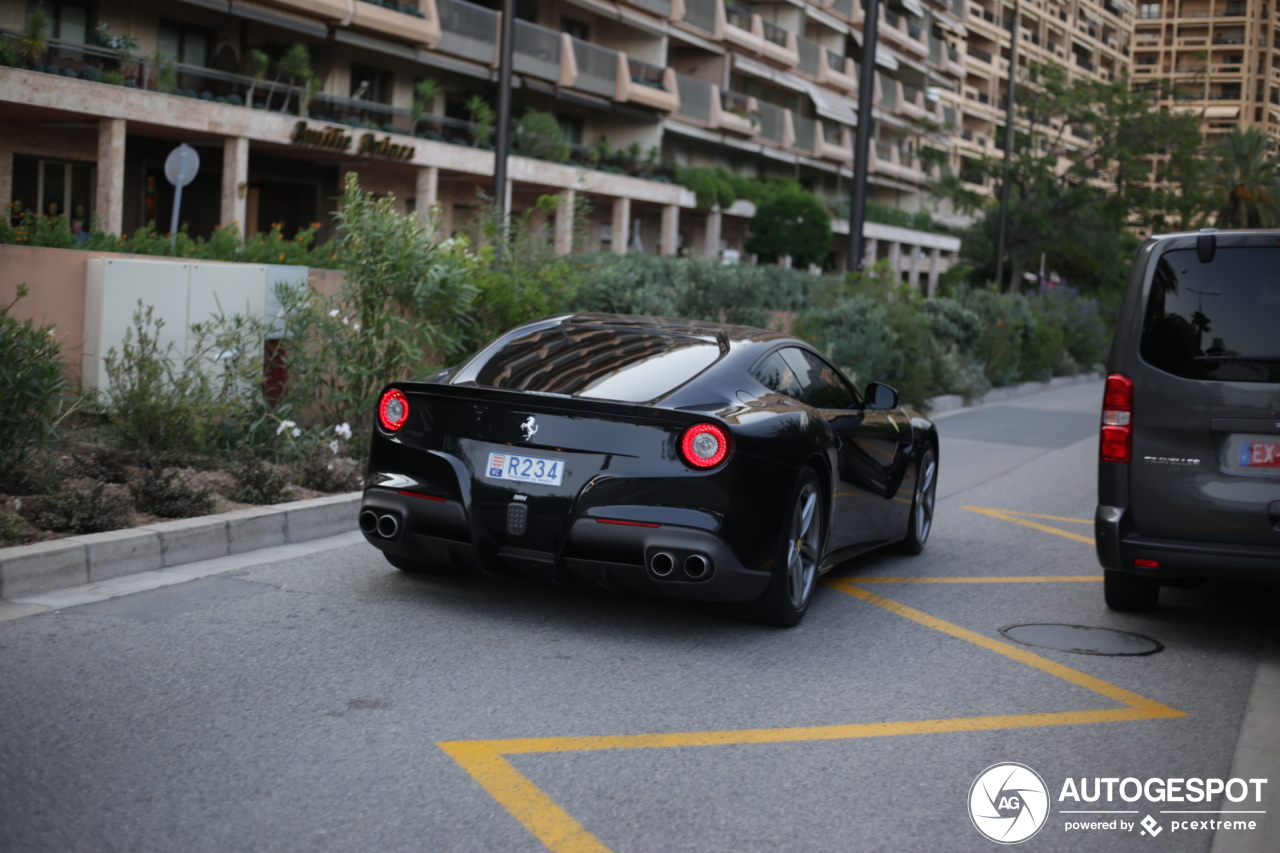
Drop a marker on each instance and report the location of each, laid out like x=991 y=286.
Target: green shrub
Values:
x=328 y=475
x=538 y=134
x=11 y=527
x=791 y=221
x=79 y=510
x=259 y=483
x=164 y=492
x=101 y=463
x=1007 y=325
x=32 y=395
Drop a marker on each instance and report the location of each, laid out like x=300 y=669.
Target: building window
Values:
x=1149 y=10
x=54 y=188
x=67 y=21
x=571 y=127
x=575 y=28
x=371 y=84
x=1147 y=60
x=187 y=45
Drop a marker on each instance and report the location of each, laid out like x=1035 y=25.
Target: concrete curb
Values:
x=952 y=402
x=47 y=566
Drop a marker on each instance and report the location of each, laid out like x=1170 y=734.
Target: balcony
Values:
x=421 y=29
x=833 y=142
x=888 y=94
x=850 y=10
x=696 y=99
x=890 y=161
x=642 y=83
x=702 y=15
x=1083 y=62
x=330 y=10
x=894 y=28
x=743 y=28
x=805 y=132
x=735 y=112
x=539 y=52
x=839 y=71
x=660 y=8
x=597 y=69
x=912 y=102
x=779 y=44
x=810 y=57
x=980 y=54
x=773 y=123
x=468 y=30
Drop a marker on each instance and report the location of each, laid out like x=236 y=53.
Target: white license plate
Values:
x=525 y=469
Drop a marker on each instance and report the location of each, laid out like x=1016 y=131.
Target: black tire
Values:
x=419 y=567
x=920 y=522
x=796 y=561
x=1129 y=593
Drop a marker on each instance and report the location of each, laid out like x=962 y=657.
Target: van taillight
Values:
x=1117 y=419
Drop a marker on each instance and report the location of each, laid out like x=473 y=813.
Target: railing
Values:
x=537 y=51
x=957 y=8
x=735 y=102
x=701 y=14
x=935 y=49
x=952 y=53
x=805 y=129
x=911 y=95
x=835 y=62
x=467 y=30
x=645 y=74
x=883 y=152
x=597 y=68
x=809 y=52
x=775 y=34
x=984 y=98
x=661 y=8
x=695 y=97
x=1084 y=63
x=772 y=121
x=738 y=16
x=979 y=54
x=844 y=8
x=888 y=93
x=949 y=116
x=1228 y=40
x=892 y=18
x=831 y=133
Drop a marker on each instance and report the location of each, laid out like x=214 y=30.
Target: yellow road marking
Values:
x=996 y=579
x=1049 y=517
x=1009 y=515
x=560 y=833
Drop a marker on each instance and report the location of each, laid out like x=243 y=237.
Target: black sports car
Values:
x=697 y=460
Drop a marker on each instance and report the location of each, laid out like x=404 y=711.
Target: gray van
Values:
x=1189 y=474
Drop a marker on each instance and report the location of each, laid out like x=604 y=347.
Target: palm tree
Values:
x=1246 y=179
x=424 y=97
x=258 y=62
x=297 y=64
x=34 y=39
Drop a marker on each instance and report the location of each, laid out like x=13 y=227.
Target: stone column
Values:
x=715 y=221
x=428 y=195
x=871 y=250
x=914 y=266
x=895 y=260
x=110 y=201
x=564 y=222
x=669 y=242
x=235 y=182
x=935 y=270
x=621 y=224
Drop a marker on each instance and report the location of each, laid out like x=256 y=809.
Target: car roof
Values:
x=672 y=326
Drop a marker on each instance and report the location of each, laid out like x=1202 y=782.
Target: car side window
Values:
x=775 y=374
x=823 y=385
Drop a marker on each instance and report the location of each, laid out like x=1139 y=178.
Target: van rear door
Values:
x=1206 y=419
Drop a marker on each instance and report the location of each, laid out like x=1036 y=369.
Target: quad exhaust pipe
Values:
x=662 y=564
x=696 y=566
x=386 y=525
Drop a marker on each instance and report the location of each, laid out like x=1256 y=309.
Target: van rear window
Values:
x=1219 y=320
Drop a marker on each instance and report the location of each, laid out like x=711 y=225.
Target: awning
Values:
x=833 y=105
x=1221 y=112
x=759 y=69
x=912 y=6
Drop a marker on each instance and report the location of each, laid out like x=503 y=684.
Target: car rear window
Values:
x=622 y=364
x=1218 y=320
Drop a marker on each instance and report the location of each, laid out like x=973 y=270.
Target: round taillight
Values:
x=704 y=445
x=393 y=410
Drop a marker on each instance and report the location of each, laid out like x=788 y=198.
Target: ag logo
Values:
x=1008 y=803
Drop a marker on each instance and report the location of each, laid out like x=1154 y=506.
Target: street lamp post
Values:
x=502 y=140
x=1008 y=147
x=862 y=138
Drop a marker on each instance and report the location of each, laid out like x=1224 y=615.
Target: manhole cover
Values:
x=1082 y=640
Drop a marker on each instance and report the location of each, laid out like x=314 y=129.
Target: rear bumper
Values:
x=613 y=556
x=1119 y=545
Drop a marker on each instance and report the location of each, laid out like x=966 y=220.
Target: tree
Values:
x=1246 y=180
x=1080 y=174
x=481 y=120
x=34 y=39
x=259 y=62
x=538 y=134
x=297 y=64
x=790 y=221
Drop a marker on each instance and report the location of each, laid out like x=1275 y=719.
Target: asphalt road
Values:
x=329 y=702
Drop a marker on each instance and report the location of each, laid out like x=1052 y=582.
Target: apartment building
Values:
x=1091 y=38
x=766 y=89
x=1221 y=57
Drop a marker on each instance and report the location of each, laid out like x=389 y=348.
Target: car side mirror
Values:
x=881 y=396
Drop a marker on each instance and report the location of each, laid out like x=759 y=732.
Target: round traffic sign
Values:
x=181 y=165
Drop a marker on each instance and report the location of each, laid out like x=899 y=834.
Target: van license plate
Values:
x=525 y=469
x=1260 y=454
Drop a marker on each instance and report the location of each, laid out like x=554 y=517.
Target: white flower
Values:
x=334 y=445
x=280 y=314
x=330 y=466
x=296 y=432
x=284 y=425
x=346 y=321
x=355 y=326
x=333 y=313
x=343 y=430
